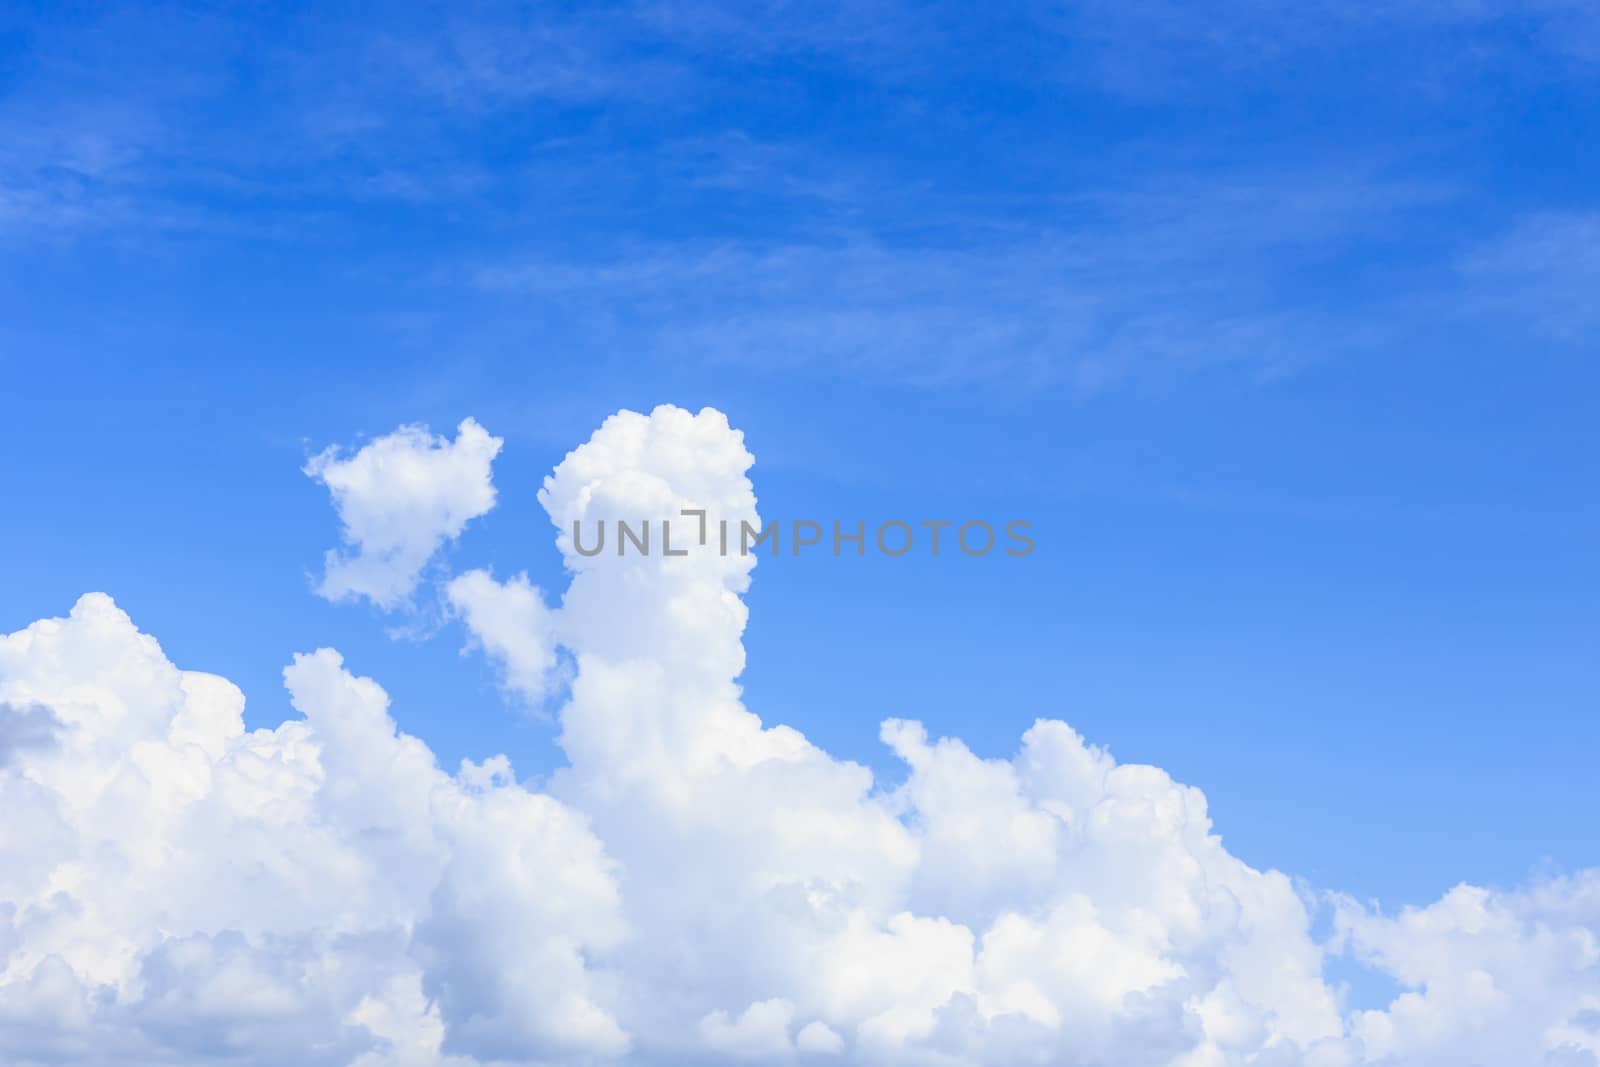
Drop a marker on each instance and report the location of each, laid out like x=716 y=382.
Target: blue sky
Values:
x=1279 y=325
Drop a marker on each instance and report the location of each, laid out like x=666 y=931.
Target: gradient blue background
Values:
x=1278 y=322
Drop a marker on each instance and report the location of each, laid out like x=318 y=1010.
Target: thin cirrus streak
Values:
x=693 y=885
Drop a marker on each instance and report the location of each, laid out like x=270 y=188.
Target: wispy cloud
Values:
x=1545 y=271
x=607 y=166
x=131 y=120
x=1163 y=48
x=1148 y=283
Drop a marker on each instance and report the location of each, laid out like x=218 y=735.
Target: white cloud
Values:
x=695 y=885
x=179 y=890
x=400 y=499
x=761 y=1032
x=1492 y=977
x=510 y=621
x=818 y=1037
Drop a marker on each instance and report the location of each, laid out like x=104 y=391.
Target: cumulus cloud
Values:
x=177 y=889
x=400 y=498
x=694 y=885
x=1491 y=977
x=23 y=728
x=512 y=624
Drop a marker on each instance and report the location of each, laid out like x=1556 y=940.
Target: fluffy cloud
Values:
x=695 y=885
x=179 y=890
x=23 y=728
x=401 y=498
x=511 y=623
x=1491 y=977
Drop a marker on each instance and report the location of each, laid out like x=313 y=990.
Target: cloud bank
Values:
x=695 y=885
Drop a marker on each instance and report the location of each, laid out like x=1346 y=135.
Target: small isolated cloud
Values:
x=400 y=499
x=510 y=622
x=694 y=885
